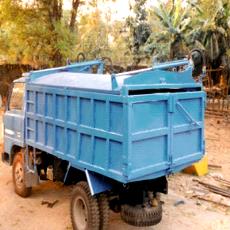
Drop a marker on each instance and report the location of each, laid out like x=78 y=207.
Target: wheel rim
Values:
x=19 y=175
x=80 y=213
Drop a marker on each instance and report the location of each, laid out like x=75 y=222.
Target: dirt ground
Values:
x=181 y=210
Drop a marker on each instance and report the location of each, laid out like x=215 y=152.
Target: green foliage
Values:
x=139 y=30
x=43 y=34
x=211 y=27
x=98 y=37
x=174 y=23
x=36 y=34
x=93 y=39
x=120 y=52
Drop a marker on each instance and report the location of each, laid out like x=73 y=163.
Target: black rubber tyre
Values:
x=81 y=57
x=141 y=217
x=19 y=176
x=84 y=208
x=103 y=211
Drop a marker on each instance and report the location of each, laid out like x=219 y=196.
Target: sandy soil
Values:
x=24 y=214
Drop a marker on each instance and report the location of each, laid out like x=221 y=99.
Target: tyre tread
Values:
x=141 y=217
x=83 y=188
x=25 y=191
x=104 y=211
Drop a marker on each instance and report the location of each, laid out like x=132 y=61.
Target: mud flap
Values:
x=97 y=183
x=31 y=178
x=30 y=171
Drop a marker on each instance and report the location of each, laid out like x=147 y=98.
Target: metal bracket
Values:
x=67 y=172
x=171 y=64
x=101 y=68
x=171 y=104
x=114 y=81
x=186 y=114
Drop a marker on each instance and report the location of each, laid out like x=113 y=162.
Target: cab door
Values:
x=14 y=118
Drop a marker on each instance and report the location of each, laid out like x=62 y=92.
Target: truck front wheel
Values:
x=84 y=209
x=19 y=176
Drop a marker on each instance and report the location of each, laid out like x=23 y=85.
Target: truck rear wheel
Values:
x=141 y=216
x=19 y=176
x=84 y=208
x=103 y=211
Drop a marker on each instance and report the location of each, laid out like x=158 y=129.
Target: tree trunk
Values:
x=55 y=16
x=58 y=58
x=75 y=5
x=54 y=8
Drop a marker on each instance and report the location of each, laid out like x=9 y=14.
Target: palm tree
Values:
x=211 y=32
x=175 y=21
x=211 y=28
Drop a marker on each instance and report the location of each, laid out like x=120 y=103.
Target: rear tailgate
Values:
x=167 y=133
x=187 y=127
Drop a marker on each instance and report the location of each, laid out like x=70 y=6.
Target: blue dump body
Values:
x=129 y=127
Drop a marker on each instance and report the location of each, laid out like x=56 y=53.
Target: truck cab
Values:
x=14 y=119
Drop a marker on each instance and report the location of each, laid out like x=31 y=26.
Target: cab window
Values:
x=16 y=99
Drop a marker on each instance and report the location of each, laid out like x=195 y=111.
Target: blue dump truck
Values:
x=116 y=137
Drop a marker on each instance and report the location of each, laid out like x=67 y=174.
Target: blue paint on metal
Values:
x=114 y=81
x=172 y=64
x=74 y=68
x=128 y=127
x=187 y=115
x=119 y=84
x=97 y=183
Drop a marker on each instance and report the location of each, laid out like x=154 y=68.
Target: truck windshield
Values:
x=16 y=99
